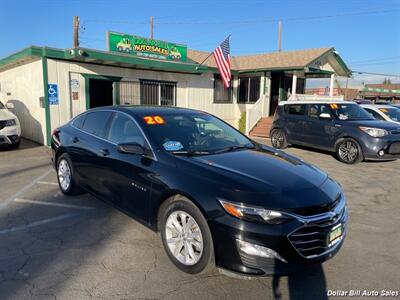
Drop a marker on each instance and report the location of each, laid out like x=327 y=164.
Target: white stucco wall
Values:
x=23 y=86
x=193 y=91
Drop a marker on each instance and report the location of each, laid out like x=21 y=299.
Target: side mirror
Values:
x=325 y=116
x=133 y=148
x=10 y=105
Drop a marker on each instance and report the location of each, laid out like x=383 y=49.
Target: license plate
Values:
x=335 y=234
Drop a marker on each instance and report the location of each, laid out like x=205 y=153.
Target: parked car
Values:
x=383 y=112
x=396 y=105
x=10 y=129
x=214 y=194
x=344 y=128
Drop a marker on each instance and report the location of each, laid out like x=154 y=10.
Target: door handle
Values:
x=75 y=140
x=105 y=152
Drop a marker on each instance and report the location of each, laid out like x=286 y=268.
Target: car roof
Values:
x=316 y=102
x=376 y=106
x=144 y=110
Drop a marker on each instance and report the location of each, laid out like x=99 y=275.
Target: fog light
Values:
x=381 y=153
x=257 y=250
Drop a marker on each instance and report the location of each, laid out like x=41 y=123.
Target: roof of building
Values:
x=273 y=60
x=285 y=60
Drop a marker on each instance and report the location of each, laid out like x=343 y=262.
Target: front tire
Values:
x=349 y=151
x=65 y=176
x=185 y=235
x=278 y=139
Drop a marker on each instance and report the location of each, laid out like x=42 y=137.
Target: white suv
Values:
x=10 y=129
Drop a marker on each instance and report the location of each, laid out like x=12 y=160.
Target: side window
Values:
x=374 y=114
x=314 y=110
x=95 y=123
x=124 y=130
x=295 y=109
x=78 y=121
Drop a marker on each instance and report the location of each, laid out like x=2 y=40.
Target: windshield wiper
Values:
x=233 y=148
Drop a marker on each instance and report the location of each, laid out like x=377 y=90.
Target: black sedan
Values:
x=216 y=196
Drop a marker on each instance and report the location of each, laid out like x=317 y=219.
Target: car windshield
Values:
x=195 y=134
x=350 y=112
x=392 y=112
x=2 y=106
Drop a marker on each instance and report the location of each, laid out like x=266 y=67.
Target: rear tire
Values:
x=65 y=176
x=349 y=151
x=278 y=139
x=185 y=235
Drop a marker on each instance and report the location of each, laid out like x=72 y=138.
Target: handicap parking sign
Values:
x=52 y=92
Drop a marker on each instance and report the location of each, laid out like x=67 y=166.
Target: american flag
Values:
x=223 y=60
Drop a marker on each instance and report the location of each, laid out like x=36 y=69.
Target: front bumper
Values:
x=297 y=253
x=10 y=135
x=388 y=144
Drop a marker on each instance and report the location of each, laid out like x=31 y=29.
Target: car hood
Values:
x=267 y=177
x=372 y=123
x=6 y=115
x=273 y=169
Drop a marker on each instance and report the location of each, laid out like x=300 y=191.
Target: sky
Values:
x=366 y=33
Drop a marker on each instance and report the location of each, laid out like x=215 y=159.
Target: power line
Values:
x=372 y=73
x=249 y=21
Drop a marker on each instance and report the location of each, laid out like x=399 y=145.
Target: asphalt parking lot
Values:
x=53 y=246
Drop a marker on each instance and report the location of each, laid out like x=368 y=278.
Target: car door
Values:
x=294 y=121
x=319 y=132
x=126 y=178
x=84 y=147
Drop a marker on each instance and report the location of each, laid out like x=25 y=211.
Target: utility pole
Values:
x=76 y=32
x=280 y=35
x=151 y=27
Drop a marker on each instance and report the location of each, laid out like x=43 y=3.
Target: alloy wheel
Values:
x=64 y=174
x=348 y=151
x=278 y=139
x=184 y=237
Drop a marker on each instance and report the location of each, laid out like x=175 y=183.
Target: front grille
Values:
x=316 y=210
x=394 y=148
x=2 y=124
x=395 y=131
x=311 y=239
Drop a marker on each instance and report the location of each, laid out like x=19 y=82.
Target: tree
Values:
x=387 y=81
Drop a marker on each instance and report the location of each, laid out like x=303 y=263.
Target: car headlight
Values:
x=375 y=132
x=254 y=214
x=11 y=122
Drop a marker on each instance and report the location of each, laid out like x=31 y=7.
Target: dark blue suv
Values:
x=341 y=127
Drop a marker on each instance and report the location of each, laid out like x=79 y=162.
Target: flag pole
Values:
x=208 y=56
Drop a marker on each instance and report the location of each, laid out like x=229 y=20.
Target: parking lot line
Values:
x=24 y=189
x=47 y=182
x=38 y=223
x=19 y=200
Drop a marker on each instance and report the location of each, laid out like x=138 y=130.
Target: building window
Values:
x=153 y=92
x=249 y=89
x=221 y=94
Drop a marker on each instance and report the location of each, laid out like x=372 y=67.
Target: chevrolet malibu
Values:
x=215 y=196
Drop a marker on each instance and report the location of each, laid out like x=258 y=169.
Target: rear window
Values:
x=95 y=123
x=295 y=109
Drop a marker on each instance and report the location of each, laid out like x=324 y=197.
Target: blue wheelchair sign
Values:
x=52 y=92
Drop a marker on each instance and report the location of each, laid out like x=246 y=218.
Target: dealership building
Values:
x=50 y=86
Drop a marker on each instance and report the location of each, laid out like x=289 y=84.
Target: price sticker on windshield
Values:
x=154 y=120
x=334 y=106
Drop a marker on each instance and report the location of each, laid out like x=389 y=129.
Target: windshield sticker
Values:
x=334 y=106
x=343 y=117
x=384 y=110
x=172 y=146
x=154 y=120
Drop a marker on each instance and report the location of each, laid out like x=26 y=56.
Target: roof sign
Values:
x=144 y=47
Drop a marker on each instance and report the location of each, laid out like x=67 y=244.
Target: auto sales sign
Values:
x=144 y=47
